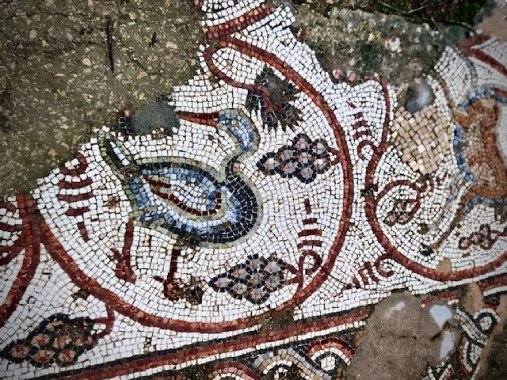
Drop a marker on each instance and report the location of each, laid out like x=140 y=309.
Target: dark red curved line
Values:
x=31 y=240
x=312 y=232
x=360 y=123
x=173 y=264
x=292 y=269
x=480 y=55
x=108 y=321
x=312 y=243
x=83 y=231
x=199 y=118
x=500 y=91
x=316 y=264
x=397 y=183
x=364 y=277
x=181 y=205
x=489 y=304
x=372 y=275
x=464 y=372
x=90 y=285
x=77 y=211
x=383 y=140
x=12 y=251
x=124 y=269
x=348 y=186
x=8 y=206
x=10 y=227
x=75 y=185
x=470 y=42
x=308 y=206
x=186 y=354
x=415 y=208
x=93 y=287
x=7 y=249
x=208 y=57
x=381 y=271
x=362 y=145
x=78 y=170
x=327 y=342
x=242 y=22
x=74 y=198
x=495 y=282
x=446 y=295
x=499 y=233
x=371 y=208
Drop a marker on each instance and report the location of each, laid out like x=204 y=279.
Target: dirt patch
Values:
x=398 y=341
x=70 y=66
x=496 y=23
x=444 y=266
x=352 y=43
x=472 y=300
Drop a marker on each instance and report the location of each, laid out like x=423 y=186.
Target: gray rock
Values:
x=419 y=95
x=398 y=341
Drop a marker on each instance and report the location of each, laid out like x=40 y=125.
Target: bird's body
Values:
x=191 y=201
x=188 y=201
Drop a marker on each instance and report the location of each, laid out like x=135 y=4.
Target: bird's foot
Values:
x=172 y=291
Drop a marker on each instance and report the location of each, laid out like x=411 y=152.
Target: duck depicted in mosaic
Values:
x=189 y=200
x=195 y=203
x=254 y=230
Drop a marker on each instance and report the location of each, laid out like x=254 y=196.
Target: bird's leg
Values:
x=124 y=269
x=171 y=287
x=172 y=290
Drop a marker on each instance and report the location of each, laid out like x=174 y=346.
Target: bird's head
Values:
x=241 y=128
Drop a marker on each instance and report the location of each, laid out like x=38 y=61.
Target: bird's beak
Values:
x=115 y=154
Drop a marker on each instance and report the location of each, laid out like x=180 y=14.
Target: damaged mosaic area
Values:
x=250 y=236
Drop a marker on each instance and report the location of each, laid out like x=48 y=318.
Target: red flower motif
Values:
x=66 y=356
x=40 y=340
x=19 y=351
x=43 y=356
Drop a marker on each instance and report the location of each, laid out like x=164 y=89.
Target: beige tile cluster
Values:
x=422 y=139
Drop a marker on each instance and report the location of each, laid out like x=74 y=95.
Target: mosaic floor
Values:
x=277 y=190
